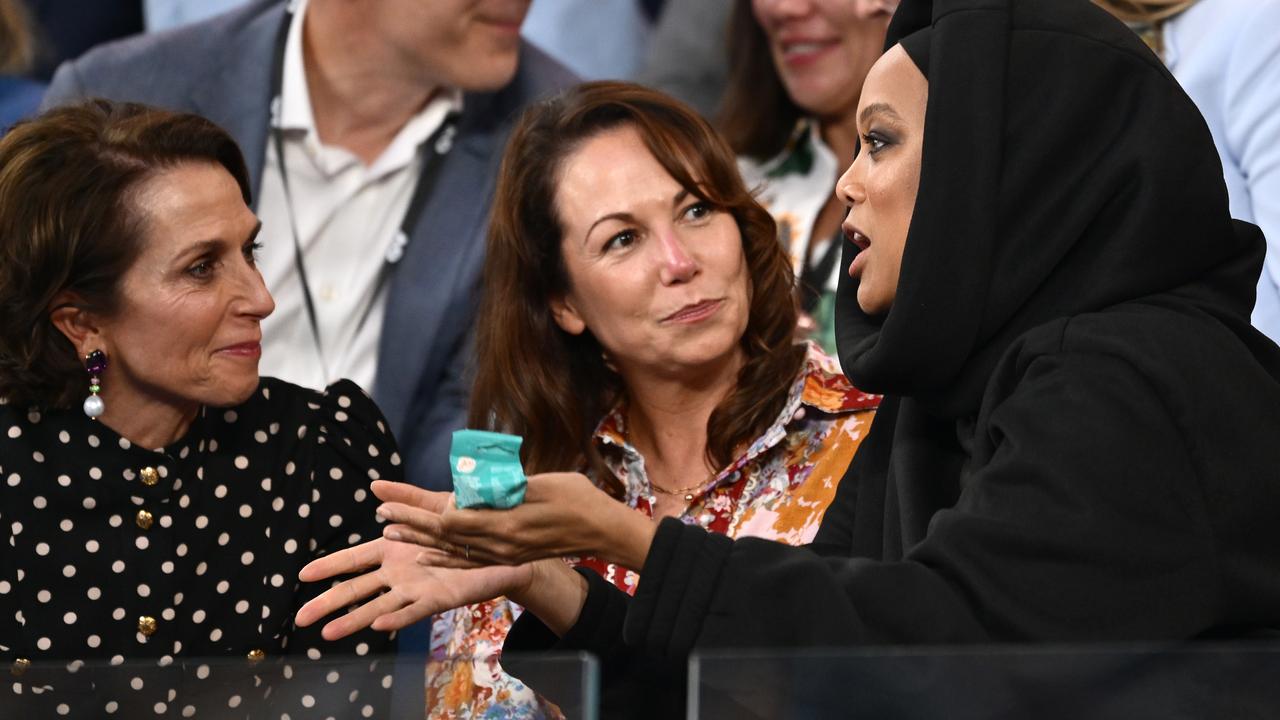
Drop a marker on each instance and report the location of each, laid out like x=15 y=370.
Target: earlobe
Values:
x=567 y=317
x=79 y=326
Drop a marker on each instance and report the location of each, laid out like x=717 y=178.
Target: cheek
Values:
x=610 y=302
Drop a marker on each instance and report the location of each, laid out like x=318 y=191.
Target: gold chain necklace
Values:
x=687 y=492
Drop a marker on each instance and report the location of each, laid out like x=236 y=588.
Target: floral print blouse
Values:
x=777 y=489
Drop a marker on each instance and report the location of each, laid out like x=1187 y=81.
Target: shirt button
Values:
x=20 y=667
x=144 y=519
x=150 y=476
x=255 y=656
x=147 y=625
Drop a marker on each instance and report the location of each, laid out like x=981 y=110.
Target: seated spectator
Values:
x=796 y=74
x=159 y=497
x=372 y=179
x=19 y=95
x=1077 y=441
x=638 y=325
x=1226 y=55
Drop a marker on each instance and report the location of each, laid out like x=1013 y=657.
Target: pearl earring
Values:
x=95 y=363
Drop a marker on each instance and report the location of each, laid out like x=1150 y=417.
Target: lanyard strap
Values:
x=438 y=145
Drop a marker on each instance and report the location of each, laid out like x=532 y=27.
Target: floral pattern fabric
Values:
x=777 y=489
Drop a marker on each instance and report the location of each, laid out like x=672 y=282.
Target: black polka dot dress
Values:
x=163 y=583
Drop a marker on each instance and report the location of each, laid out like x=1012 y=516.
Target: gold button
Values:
x=150 y=476
x=255 y=656
x=144 y=519
x=20 y=667
x=147 y=625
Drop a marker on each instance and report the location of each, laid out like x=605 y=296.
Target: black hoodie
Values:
x=1080 y=439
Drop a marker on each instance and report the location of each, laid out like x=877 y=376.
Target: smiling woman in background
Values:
x=158 y=495
x=797 y=68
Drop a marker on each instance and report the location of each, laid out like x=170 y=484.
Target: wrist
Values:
x=554 y=593
x=634 y=535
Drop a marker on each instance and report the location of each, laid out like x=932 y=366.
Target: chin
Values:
x=873 y=303
x=234 y=391
x=489 y=73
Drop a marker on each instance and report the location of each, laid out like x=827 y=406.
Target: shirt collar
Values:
x=820 y=386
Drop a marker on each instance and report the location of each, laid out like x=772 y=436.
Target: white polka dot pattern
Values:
x=116 y=552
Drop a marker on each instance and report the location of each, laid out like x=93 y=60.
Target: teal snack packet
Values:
x=486 y=469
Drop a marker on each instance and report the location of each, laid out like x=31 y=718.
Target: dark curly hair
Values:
x=536 y=380
x=68 y=223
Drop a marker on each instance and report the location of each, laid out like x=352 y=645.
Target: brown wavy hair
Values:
x=534 y=379
x=756 y=114
x=68 y=223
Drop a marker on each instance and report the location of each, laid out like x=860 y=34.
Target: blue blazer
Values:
x=221 y=69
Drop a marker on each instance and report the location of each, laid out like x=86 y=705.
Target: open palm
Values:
x=414 y=588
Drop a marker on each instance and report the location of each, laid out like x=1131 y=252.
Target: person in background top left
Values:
x=19 y=96
x=373 y=103
x=158 y=496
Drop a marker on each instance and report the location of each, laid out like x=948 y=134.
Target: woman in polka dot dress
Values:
x=158 y=498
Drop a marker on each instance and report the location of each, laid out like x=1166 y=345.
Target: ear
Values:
x=79 y=325
x=567 y=316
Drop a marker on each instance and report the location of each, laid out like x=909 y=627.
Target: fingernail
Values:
x=383 y=512
x=394 y=535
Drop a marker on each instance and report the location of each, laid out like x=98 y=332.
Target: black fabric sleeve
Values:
x=353 y=446
x=634 y=684
x=598 y=630
x=1085 y=522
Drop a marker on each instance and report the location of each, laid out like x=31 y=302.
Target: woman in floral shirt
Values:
x=776 y=489
x=639 y=326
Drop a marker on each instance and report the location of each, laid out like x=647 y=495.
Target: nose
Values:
x=782 y=9
x=677 y=264
x=850 y=188
x=252 y=297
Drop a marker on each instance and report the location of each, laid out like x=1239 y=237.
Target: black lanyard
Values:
x=439 y=144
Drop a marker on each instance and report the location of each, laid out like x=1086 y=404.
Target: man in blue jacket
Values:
x=373 y=134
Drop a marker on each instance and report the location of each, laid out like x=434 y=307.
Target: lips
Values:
x=694 y=312
x=252 y=348
x=856 y=236
x=800 y=49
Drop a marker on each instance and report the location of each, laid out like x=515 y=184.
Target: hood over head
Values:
x=1064 y=171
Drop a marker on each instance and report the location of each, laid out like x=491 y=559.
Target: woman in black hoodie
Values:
x=1079 y=440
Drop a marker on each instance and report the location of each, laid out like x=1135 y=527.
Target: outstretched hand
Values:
x=414 y=590
x=562 y=514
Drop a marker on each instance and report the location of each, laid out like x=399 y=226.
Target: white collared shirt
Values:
x=347 y=216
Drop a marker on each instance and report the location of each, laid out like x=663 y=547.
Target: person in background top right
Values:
x=797 y=68
x=1226 y=55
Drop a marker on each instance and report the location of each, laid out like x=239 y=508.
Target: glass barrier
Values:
x=295 y=687
x=1209 y=681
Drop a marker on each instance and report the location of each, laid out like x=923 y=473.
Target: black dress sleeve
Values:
x=353 y=446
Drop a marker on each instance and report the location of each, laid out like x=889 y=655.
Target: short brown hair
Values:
x=756 y=115
x=67 y=223
x=536 y=380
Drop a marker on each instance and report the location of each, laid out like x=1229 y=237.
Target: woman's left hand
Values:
x=562 y=514
x=396 y=587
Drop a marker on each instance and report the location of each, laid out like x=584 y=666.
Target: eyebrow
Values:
x=628 y=217
x=204 y=246
x=878 y=109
